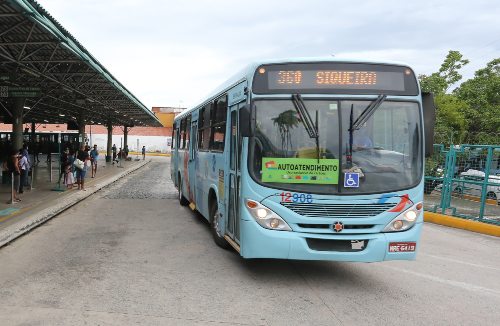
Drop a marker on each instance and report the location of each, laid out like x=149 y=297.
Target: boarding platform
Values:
x=46 y=199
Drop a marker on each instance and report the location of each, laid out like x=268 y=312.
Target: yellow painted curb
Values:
x=478 y=199
x=149 y=154
x=464 y=224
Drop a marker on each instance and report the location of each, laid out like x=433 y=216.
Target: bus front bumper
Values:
x=258 y=242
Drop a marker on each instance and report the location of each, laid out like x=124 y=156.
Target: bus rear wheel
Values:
x=215 y=227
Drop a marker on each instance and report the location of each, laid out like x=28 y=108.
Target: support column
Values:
x=125 y=137
x=33 y=136
x=81 y=132
x=110 y=142
x=33 y=145
x=17 y=123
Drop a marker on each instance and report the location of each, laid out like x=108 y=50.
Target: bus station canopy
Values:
x=60 y=80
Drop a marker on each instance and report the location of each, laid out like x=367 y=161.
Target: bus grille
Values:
x=338 y=210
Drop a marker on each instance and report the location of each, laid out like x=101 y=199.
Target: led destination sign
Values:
x=287 y=77
x=335 y=78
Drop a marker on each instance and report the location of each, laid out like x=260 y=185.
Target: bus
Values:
x=309 y=159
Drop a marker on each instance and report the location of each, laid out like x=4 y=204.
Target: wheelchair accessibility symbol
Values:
x=351 y=180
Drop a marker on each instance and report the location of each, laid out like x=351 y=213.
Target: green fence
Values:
x=464 y=181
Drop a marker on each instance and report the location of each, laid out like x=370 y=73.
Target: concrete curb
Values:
x=22 y=227
x=460 y=223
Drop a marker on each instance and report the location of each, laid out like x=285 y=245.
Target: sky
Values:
x=173 y=53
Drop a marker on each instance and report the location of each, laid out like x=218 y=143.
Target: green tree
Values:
x=451 y=123
x=448 y=74
x=482 y=94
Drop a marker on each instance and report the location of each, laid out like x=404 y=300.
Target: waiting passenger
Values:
x=69 y=179
x=81 y=170
x=64 y=163
x=13 y=166
x=24 y=168
x=113 y=149
x=94 y=154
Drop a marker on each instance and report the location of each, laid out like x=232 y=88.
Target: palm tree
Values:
x=286 y=121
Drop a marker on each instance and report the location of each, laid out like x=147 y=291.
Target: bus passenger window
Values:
x=182 y=139
x=174 y=138
x=204 y=128
x=218 y=119
x=188 y=130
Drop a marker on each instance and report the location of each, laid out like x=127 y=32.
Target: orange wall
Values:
x=166 y=119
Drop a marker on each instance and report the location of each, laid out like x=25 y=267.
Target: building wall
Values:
x=156 y=144
x=166 y=119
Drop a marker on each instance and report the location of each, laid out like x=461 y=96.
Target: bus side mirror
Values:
x=247 y=120
x=429 y=119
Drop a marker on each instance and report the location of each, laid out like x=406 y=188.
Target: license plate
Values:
x=402 y=246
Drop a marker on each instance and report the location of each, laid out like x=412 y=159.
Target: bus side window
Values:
x=188 y=131
x=182 y=140
x=219 y=116
x=174 y=137
x=204 y=128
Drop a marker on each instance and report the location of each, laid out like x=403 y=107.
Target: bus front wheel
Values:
x=215 y=227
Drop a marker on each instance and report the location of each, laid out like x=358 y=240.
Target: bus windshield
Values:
x=385 y=151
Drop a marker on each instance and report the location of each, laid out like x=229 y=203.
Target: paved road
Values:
x=131 y=255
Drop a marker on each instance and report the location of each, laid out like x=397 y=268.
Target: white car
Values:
x=463 y=187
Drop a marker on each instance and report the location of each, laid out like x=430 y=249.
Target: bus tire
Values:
x=214 y=223
x=182 y=200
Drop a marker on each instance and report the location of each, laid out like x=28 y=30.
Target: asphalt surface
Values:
x=131 y=255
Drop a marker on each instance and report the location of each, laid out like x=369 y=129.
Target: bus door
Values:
x=233 y=178
x=192 y=162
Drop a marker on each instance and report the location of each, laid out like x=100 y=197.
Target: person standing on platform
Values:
x=125 y=150
x=24 y=167
x=83 y=156
x=143 y=153
x=94 y=154
x=25 y=153
x=36 y=150
x=68 y=177
x=64 y=162
x=13 y=166
x=113 y=149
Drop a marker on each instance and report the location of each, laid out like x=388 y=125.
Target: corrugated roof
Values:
x=39 y=52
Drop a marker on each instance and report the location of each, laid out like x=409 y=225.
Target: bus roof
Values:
x=247 y=73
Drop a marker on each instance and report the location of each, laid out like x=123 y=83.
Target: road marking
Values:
x=8 y=211
x=459 y=261
x=457 y=284
x=15 y=213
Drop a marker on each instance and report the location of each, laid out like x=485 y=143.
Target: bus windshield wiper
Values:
x=363 y=117
x=367 y=113
x=304 y=115
x=310 y=126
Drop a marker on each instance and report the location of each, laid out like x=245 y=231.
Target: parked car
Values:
x=463 y=187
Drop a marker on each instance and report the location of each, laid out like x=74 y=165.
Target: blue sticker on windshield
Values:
x=351 y=180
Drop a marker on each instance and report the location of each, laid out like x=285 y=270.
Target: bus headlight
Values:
x=405 y=220
x=266 y=217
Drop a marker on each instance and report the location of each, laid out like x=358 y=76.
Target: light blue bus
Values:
x=310 y=159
